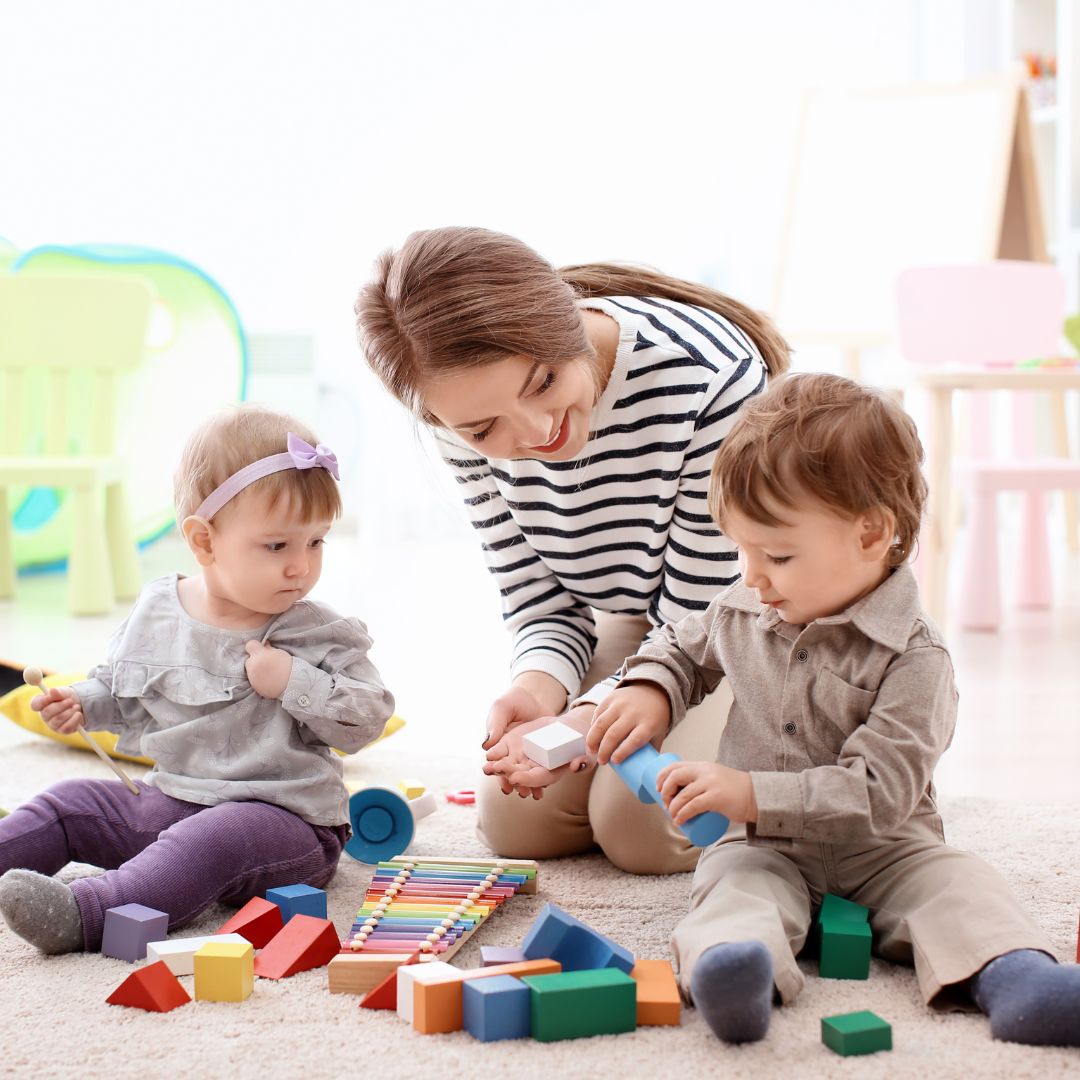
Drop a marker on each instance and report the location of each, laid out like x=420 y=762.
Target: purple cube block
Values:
x=130 y=928
x=490 y=955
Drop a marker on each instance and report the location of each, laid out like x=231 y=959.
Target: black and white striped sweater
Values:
x=624 y=527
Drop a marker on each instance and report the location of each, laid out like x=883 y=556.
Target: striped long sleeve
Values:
x=624 y=527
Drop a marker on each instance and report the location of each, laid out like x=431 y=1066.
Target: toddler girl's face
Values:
x=264 y=558
x=815 y=566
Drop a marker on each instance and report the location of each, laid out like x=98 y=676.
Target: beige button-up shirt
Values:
x=840 y=723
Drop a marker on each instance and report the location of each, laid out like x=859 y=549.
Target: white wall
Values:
x=282 y=145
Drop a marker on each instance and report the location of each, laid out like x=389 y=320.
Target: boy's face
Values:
x=815 y=565
x=264 y=560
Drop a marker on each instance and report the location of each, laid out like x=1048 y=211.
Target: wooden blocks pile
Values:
x=844 y=936
x=856 y=1033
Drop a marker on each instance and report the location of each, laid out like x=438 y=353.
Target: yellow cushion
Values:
x=16 y=706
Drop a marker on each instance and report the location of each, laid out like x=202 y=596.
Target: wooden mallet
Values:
x=33 y=676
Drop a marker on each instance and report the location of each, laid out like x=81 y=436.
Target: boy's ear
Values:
x=877 y=533
x=200 y=539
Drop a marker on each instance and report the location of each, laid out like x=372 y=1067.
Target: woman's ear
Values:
x=877 y=533
x=200 y=539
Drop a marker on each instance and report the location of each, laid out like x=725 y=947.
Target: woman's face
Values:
x=518 y=408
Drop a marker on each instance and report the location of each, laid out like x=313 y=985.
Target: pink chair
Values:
x=987 y=316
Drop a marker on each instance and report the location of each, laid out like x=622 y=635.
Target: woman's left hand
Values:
x=268 y=669
x=689 y=788
x=516 y=771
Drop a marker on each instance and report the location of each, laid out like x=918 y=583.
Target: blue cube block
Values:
x=130 y=928
x=298 y=900
x=558 y=936
x=496 y=1008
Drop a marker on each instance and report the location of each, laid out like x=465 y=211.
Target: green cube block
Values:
x=837 y=909
x=576 y=1004
x=845 y=951
x=856 y=1033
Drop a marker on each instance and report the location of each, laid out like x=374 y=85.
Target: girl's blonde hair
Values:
x=458 y=298
x=851 y=447
x=238 y=436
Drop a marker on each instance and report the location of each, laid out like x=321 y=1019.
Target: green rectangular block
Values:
x=577 y=1004
x=856 y=1033
x=845 y=951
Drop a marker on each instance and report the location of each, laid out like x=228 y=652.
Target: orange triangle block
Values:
x=304 y=943
x=384 y=996
x=257 y=921
x=154 y=988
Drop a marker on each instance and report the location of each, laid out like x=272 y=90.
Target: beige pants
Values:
x=593 y=809
x=946 y=910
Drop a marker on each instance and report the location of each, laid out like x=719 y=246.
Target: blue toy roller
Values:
x=639 y=771
x=382 y=824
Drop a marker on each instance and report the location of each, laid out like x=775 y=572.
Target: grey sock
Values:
x=1030 y=998
x=42 y=910
x=732 y=987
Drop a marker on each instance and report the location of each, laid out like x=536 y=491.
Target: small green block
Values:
x=576 y=1004
x=856 y=1033
x=845 y=951
x=837 y=909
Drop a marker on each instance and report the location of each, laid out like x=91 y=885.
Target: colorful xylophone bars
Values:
x=433 y=905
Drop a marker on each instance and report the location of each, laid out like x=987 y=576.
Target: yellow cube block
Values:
x=224 y=971
x=411 y=787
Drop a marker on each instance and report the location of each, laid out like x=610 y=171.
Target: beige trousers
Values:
x=584 y=811
x=947 y=911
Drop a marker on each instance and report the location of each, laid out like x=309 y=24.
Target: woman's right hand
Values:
x=517 y=772
x=60 y=708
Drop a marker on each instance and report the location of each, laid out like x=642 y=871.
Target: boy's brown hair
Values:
x=238 y=436
x=851 y=447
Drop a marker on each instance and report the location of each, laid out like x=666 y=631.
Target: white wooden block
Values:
x=422 y=805
x=554 y=745
x=179 y=953
x=411 y=974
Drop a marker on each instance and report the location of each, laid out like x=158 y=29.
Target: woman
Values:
x=579 y=409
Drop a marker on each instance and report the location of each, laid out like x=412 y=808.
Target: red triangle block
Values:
x=384 y=996
x=304 y=943
x=258 y=921
x=154 y=988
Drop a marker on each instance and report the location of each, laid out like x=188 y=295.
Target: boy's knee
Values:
x=637 y=838
x=516 y=828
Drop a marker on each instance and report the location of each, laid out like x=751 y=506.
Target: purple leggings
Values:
x=178 y=857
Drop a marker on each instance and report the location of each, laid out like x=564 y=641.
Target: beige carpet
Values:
x=55 y=1022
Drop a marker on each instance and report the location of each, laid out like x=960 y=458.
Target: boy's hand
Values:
x=60 y=708
x=516 y=771
x=268 y=669
x=626 y=720
x=689 y=788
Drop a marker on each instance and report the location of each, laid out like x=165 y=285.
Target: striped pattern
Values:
x=625 y=526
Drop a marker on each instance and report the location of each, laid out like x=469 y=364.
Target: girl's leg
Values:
x=92 y=821
x=229 y=852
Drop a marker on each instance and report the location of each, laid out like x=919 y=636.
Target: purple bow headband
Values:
x=299 y=455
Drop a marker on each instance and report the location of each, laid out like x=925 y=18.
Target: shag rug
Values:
x=54 y=1021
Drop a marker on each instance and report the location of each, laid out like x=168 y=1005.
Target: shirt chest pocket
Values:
x=837 y=709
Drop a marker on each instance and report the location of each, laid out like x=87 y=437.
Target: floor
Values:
x=439 y=643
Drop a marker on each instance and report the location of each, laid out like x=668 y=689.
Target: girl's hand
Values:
x=626 y=720
x=60 y=708
x=268 y=669
x=516 y=771
x=689 y=788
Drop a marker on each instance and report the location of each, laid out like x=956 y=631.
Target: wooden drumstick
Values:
x=33 y=676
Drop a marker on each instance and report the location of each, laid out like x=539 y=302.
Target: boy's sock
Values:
x=732 y=987
x=42 y=910
x=1030 y=998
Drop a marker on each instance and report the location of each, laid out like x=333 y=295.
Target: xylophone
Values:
x=433 y=905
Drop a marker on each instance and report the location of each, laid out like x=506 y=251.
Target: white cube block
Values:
x=410 y=974
x=554 y=745
x=179 y=953
x=422 y=805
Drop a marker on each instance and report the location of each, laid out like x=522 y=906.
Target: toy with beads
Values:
x=433 y=905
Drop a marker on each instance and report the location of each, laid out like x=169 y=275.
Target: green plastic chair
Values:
x=64 y=341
